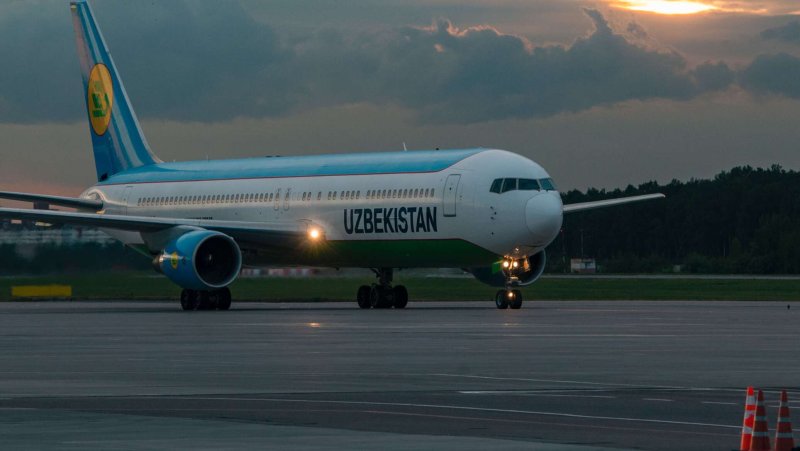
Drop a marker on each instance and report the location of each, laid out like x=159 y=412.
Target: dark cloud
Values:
x=788 y=33
x=713 y=76
x=210 y=60
x=773 y=74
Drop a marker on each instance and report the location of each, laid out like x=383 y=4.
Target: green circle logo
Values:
x=100 y=98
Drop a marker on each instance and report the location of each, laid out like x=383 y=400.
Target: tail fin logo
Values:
x=100 y=98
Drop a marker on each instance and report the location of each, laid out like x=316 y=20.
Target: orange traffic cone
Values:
x=784 y=441
x=760 y=440
x=749 y=416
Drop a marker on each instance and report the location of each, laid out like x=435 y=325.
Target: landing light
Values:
x=515 y=264
x=314 y=234
x=505 y=264
x=511 y=295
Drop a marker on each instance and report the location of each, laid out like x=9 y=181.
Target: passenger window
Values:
x=432 y=192
x=528 y=185
x=509 y=185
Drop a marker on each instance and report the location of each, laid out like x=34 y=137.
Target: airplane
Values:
x=488 y=211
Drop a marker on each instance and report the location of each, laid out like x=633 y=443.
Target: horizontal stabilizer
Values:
x=71 y=202
x=583 y=206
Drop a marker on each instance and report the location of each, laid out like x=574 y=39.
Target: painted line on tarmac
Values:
x=535 y=393
x=557 y=381
x=608 y=384
x=720 y=403
x=658 y=399
x=463 y=408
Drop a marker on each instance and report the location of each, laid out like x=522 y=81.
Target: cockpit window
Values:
x=528 y=185
x=547 y=184
x=509 y=185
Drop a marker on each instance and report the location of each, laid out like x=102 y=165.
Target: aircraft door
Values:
x=126 y=194
x=287 y=198
x=450 y=196
x=277 y=203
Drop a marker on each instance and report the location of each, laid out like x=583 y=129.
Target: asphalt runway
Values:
x=552 y=376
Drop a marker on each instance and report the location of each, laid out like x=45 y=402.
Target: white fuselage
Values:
x=375 y=214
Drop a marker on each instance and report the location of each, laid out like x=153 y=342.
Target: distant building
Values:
x=583 y=266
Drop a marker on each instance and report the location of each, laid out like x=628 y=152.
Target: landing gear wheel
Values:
x=363 y=297
x=224 y=299
x=206 y=300
x=189 y=299
x=379 y=297
x=400 y=296
x=516 y=300
x=501 y=299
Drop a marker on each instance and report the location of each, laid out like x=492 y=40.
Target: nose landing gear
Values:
x=508 y=297
x=382 y=294
x=504 y=299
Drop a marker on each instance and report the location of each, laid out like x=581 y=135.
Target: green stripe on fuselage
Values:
x=450 y=253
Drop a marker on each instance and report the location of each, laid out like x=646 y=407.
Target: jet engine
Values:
x=519 y=272
x=200 y=260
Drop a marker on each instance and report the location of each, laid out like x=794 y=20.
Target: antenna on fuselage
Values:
x=405 y=149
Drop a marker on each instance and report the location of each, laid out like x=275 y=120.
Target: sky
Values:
x=601 y=93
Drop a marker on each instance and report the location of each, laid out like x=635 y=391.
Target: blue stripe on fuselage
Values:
x=302 y=166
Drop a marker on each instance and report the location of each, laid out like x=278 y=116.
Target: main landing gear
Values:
x=504 y=299
x=206 y=300
x=382 y=294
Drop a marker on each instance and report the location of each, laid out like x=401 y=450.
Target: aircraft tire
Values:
x=516 y=301
x=189 y=299
x=400 y=296
x=379 y=297
x=206 y=300
x=224 y=299
x=501 y=299
x=363 y=297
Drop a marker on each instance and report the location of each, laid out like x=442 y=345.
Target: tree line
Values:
x=745 y=220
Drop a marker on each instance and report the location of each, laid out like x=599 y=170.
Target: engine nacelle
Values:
x=201 y=260
x=526 y=271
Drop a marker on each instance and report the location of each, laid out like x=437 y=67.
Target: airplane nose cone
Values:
x=543 y=216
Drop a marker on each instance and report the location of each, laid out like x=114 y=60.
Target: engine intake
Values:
x=523 y=272
x=201 y=260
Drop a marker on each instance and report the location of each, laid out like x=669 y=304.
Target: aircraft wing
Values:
x=279 y=234
x=583 y=206
x=71 y=202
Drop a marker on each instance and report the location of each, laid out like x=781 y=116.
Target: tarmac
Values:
x=564 y=375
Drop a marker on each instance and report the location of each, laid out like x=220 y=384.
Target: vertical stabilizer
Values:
x=117 y=138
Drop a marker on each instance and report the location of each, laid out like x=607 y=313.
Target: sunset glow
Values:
x=666 y=6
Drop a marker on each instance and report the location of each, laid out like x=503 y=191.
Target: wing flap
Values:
x=71 y=202
x=583 y=206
